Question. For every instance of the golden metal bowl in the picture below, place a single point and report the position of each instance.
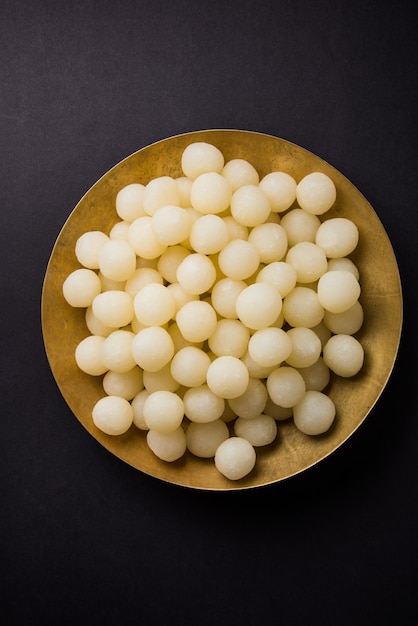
(293, 452)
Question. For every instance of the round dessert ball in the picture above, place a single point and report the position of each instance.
(152, 348)
(142, 276)
(301, 307)
(123, 384)
(309, 261)
(200, 157)
(202, 405)
(250, 206)
(300, 226)
(184, 185)
(258, 305)
(346, 323)
(137, 405)
(88, 246)
(203, 439)
(316, 193)
(154, 305)
(95, 326)
(196, 321)
(279, 413)
(169, 262)
(209, 234)
(120, 230)
(255, 370)
(159, 192)
(240, 172)
(259, 431)
(143, 239)
(252, 402)
(189, 366)
(181, 296)
(171, 224)
(112, 415)
(161, 380)
(129, 202)
(338, 237)
(114, 308)
(314, 413)
(280, 275)
(196, 273)
(239, 259)
(280, 188)
(163, 411)
(117, 259)
(285, 386)
(306, 347)
(88, 355)
(111, 285)
(117, 351)
(338, 290)
(316, 376)
(235, 458)
(167, 446)
(230, 337)
(235, 230)
(227, 377)
(210, 193)
(344, 264)
(344, 355)
(81, 287)
(270, 241)
(269, 346)
(224, 296)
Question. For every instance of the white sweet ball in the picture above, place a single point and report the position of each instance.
(181, 296)
(152, 348)
(300, 226)
(196, 320)
(227, 377)
(196, 273)
(346, 323)
(189, 366)
(235, 458)
(258, 305)
(120, 230)
(277, 412)
(259, 431)
(200, 157)
(270, 241)
(344, 355)
(184, 186)
(81, 287)
(201, 404)
(229, 337)
(167, 446)
(210, 193)
(154, 305)
(137, 405)
(203, 439)
(111, 285)
(309, 261)
(142, 276)
(88, 246)
(95, 326)
(269, 346)
(224, 296)
(209, 234)
(316, 376)
(250, 206)
(159, 192)
(114, 308)
(129, 202)
(338, 237)
(285, 386)
(123, 384)
(314, 413)
(235, 230)
(169, 261)
(255, 370)
(161, 380)
(117, 259)
(163, 411)
(280, 275)
(252, 402)
(306, 347)
(88, 355)
(143, 239)
(178, 339)
(112, 415)
(171, 224)
(239, 259)
(316, 193)
(280, 187)
(301, 307)
(343, 264)
(338, 290)
(240, 172)
(117, 351)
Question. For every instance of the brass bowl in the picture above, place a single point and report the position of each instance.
(293, 452)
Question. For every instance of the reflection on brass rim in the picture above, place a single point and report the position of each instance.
(293, 452)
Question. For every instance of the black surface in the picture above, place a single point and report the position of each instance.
(84, 538)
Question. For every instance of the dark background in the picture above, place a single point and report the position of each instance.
(84, 538)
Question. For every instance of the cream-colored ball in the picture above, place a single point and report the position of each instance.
(112, 415)
(314, 414)
(235, 458)
(316, 193)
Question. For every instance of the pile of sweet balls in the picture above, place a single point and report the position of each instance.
(218, 305)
